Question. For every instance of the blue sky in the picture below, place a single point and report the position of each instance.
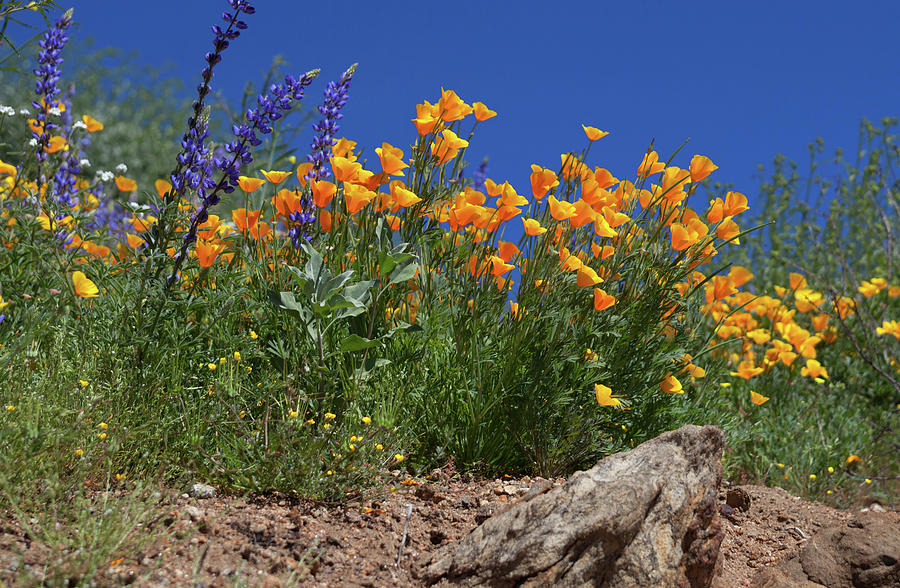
(743, 81)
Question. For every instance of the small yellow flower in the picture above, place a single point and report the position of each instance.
(326, 425)
(398, 457)
(311, 422)
(211, 366)
(781, 465)
(352, 447)
(79, 452)
(222, 360)
(366, 420)
(329, 416)
(830, 470)
(10, 407)
(293, 414)
(812, 476)
(852, 459)
(828, 492)
(725, 384)
(248, 368)
(868, 481)
(379, 446)
(253, 334)
(243, 412)
(104, 426)
(121, 477)
(102, 436)
(330, 472)
(84, 383)
(237, 356)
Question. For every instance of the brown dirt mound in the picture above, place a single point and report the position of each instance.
(278, 541)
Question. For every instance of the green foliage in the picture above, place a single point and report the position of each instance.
(141, 109)
(12, 13)
(836, 227)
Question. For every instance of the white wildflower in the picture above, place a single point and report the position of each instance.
(106, 176)
(7, 110)
(54, 111)
(79, 125)
(84, 163)
(32, 142)
(122, 168)
(24, 111)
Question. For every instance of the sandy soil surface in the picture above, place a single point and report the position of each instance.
(280, 541)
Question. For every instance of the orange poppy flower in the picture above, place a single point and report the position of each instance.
(587, 277)
(482, 112)
(604, 396)
(426, 117)
(391, 159)
(302, 170)
(671, 385)
(701, 167)
(276, 177)
(125, 184)
(735, 203)
(533, 227)
(649, 165)
(447, 146)
(344, 148)
(593, 133)
(602, 300)
(93, 125)
(323, 192)
(325, 220)
(560, 210)
(403, 197)
(84, 288)
(499, 266)
(451, 107)
(356, 197)
(758, 399)
(542, 180)
(134, 241)
(163, 187)
(207, 252)
(246, 221)
(507, 250)
(250, 185)
(746, 370)
(344, 169)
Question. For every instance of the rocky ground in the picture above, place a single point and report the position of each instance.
(279, 541)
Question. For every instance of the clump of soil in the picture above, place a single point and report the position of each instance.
(277, 540)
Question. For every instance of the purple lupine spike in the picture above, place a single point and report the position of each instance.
(189, 171)
(237, 153)
(47, 73)
(480, 175)
(336, 96)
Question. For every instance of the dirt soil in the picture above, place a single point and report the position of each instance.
(280, 541)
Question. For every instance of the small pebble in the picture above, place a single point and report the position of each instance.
(202, 491)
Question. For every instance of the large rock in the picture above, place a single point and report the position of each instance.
(646, 517)
(864, 552)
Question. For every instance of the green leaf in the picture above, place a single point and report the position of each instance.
(359, 292)
(404, 272)
(356, 343)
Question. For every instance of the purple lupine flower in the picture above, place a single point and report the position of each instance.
(193, 164)
(480, 175)
(47, 73)
(336, 95)
(270, 108)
